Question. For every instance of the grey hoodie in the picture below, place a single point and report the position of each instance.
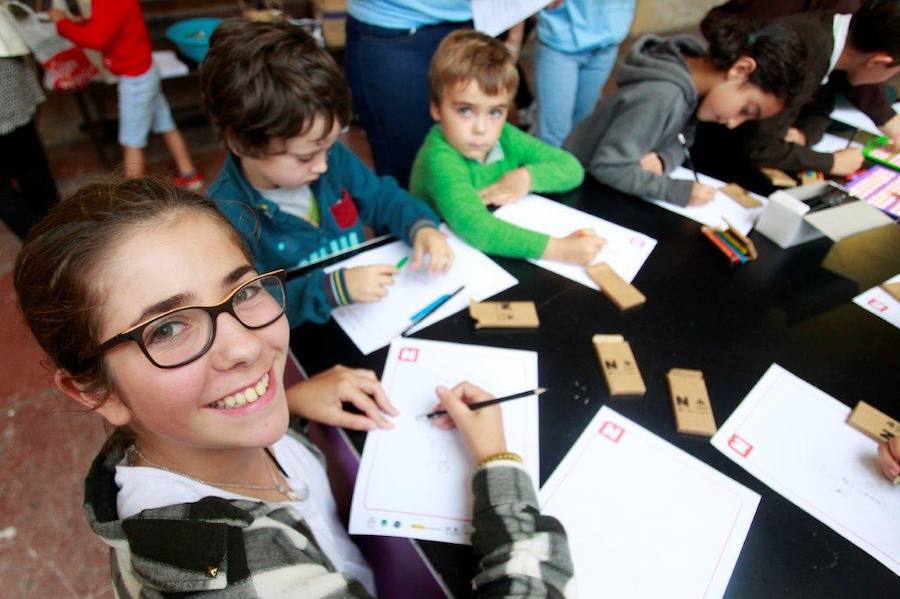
(656, 99)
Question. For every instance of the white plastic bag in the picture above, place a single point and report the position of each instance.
(66, 67)
(11, 43)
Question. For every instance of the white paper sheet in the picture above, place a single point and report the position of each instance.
(712, 214)
(794, 438)
(832, 143)
(169, 65)
(372, 326)
(847, 114)
(493, 17)
(415, 480)
(644, 518)
(880, 303)
(625, 250)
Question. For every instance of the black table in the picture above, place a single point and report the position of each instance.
(731, 323)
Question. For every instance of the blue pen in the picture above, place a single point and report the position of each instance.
(430, 308)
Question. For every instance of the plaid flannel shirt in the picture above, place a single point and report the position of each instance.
(247, 549)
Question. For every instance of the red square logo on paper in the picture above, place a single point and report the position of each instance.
(876, 305)
(612, 431)
(638, 241)
(741, 447)
(408, 354)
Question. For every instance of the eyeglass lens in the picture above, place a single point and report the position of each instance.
(183, 335)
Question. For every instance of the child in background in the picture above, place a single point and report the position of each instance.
(147, 303)
(295, 195)
(473, 158)
(579, 41)
(847, 54)
(665, 86)
(116, 28)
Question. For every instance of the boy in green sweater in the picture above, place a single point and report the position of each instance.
(472, 158)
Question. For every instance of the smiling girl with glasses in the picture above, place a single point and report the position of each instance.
(150, 309)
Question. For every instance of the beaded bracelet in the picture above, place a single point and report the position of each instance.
(506, 455)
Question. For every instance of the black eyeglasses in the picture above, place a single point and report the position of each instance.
(182, 335)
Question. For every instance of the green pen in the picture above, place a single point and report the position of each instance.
(401, 263)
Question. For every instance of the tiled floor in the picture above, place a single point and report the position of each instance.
(46, 546)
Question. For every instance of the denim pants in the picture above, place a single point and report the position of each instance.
(388, 74)
(568, 87)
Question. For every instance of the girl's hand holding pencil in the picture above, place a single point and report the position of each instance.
(482, 429)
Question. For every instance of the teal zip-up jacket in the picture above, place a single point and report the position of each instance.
(349, 195)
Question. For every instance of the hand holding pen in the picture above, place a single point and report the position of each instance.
(366, 284)
(482, 430)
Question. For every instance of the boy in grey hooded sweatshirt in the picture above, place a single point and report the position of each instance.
(665, 86)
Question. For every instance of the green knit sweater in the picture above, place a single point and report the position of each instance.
(451, 183)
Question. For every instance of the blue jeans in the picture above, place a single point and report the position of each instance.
(568, 87)
(388, 74)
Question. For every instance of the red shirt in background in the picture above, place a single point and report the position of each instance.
(117, 29)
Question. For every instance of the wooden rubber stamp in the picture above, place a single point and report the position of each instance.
(690, 401)
(623, 377)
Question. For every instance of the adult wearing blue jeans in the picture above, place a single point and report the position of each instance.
(579, 41)
(389, 48)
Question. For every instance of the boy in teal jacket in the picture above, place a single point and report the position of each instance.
(473, 158)
(293, 194)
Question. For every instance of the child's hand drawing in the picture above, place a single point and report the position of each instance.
(892, 130)
(579, 247)
(701, 195)
(482, 430)
(511, 187)
(321, 398)
(429, 241)
(652, 163)
(847, 161)
(367, 284)
(889, 457)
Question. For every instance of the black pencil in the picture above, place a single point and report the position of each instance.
(422, 316)
(371, 244)
(852, 138)
(489, 402)
(687, 156)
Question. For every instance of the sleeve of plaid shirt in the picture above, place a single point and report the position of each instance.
(521, 553)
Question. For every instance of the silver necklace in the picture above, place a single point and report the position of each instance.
(135, 451)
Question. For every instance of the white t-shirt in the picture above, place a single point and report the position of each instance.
(142, 488)
(840, 26)
(297, 201)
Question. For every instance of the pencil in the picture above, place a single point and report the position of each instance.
(734, 241)
(732, 257)
(400, 263)
(740, 256)
(687, 156)
(430, 309)
(489, 402)
(852, 138)
(298, 271)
